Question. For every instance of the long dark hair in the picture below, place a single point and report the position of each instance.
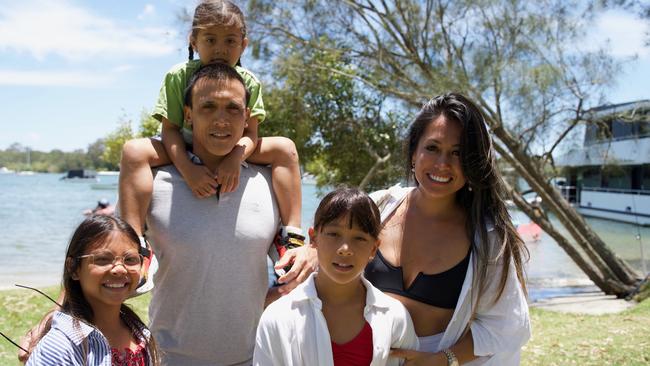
(483, 196)
(216, 12)
(94, 231)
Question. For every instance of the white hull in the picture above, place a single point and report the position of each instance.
(631, 207)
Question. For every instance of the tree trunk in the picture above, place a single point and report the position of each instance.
(594, 274)
(614, 268)
(371, 173)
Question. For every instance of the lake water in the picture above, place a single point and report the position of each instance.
(39, 212)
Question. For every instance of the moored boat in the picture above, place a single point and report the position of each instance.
(80, 175)
(609, 175)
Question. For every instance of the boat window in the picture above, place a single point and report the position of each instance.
(643, 128)
(622, 129)
(618, 177)
(591, 177)
(645, 183)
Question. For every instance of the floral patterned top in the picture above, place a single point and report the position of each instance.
(128, 357)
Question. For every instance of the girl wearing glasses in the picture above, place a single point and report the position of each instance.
(93, 325)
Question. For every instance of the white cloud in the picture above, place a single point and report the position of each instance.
(41, 28)
(53, 78)
(123, 68)
(624, 32)
(148, 10)
(34, 137)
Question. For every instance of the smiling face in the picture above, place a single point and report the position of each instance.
(437, 161)
(343, 251)
(108, 286)
(218, 43)
(217, 116)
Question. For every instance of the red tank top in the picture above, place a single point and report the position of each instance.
(357, 352)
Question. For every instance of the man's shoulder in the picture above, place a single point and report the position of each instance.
(256, 169)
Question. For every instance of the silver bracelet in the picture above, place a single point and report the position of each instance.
(451, 357)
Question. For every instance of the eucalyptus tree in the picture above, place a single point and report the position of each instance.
(522, 62)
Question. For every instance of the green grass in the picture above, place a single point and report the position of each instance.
(558, 339)
(568, 339)
(21, 309)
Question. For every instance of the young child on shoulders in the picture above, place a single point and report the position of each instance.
(336, 317)
(93, 326)
(218, 35)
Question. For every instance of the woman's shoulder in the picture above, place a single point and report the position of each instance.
(384, 196)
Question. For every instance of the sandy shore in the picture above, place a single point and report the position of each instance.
(594, 303)
(8, 281)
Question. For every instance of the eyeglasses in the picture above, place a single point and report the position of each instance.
(131, 261)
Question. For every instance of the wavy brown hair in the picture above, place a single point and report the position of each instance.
(483, 196)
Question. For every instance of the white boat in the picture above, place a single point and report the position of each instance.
(609, 175)
(104, 186)
(5, 170)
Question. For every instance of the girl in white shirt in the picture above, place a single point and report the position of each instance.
(336, 317)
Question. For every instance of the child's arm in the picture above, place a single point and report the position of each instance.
(228, 170)
(199, 178)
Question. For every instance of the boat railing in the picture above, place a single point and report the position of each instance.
(568, 192)
(608, 140)
(643, 192)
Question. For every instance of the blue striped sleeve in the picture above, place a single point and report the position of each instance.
(55, 349)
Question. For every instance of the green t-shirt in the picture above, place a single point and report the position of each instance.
(170, 99)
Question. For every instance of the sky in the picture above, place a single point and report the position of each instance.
(70, 70)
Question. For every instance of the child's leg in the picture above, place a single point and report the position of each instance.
(136, 179)
(281, 154)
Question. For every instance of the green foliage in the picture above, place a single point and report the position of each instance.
(114, 142)
(20, 158)
(516, 59)
(149, 126)
(339, 127)
(103, 154)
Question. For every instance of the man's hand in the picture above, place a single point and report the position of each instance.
(201, 181)
(305, 261)
(416, 358)
(228, 172)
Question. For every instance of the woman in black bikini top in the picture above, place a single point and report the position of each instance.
(449, 251)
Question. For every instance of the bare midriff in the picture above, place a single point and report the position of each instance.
(427, 320)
